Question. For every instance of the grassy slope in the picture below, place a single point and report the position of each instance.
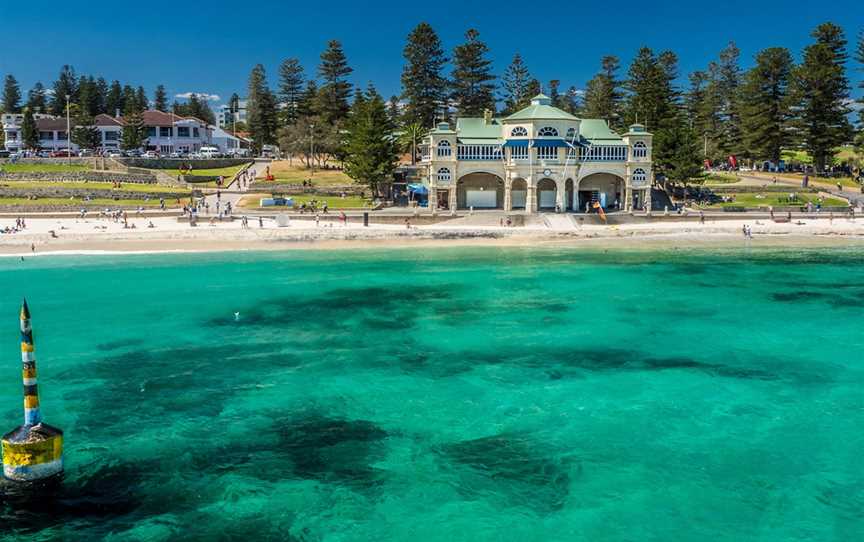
(126, 187)
(294, 174)
(778, 200)
(43, 168)
(334, 203)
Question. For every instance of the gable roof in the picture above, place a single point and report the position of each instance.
(106, 120)
(476, 128)
(597, 130)
(540, 109)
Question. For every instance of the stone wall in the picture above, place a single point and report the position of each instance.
(83, 191)
(81, 176)
(175, 163)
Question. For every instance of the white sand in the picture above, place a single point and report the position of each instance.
(94, 235)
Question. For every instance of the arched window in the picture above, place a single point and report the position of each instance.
(547, 131)
(640, 150)
(571, 134)
(639, 176)
(444, 149)
(443, 175)
(519, 131)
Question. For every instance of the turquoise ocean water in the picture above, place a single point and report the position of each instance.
(444, 395)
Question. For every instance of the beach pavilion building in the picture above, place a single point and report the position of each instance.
(539, 159)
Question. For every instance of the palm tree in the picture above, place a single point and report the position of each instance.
(412, 133)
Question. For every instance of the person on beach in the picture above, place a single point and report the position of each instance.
(260, 221)
(317, 219)
(343, 218)
(701, 216)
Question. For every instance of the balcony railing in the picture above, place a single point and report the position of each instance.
(478, 152)
(604, 153)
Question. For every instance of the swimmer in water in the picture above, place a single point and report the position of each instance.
(236, 316)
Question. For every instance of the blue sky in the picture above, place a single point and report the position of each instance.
(209, 47)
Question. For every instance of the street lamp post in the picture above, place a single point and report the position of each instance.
(68, 134)
(312, 150)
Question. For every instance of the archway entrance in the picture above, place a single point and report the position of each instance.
(605, 188)
(547, 193)
(568, 194)
(519, 194)
(480, 191)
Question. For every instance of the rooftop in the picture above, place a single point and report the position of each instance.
(540, 109)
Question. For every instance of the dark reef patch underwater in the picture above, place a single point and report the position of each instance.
(444, 395)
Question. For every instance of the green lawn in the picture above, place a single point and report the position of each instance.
(778, 200)
(98, 203)
(295, 174)
(126, 187)
(798, 177)
(43, 168)
(334, 203)
(227, 172)
(721, 178)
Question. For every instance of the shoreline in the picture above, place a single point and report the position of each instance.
(101, 237)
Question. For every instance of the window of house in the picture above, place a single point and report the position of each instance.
(547, 153)
(639, 175)
(164, 131)
(519, 131)
(196, 132)
(46, 135)
(547, 131)
(151, 131)
(112, 135)
(443, 175)
(182, 131)
(571, 134)
(640, 150)
(12, 136)
(444, 149)
(519, 153)
(61, 136)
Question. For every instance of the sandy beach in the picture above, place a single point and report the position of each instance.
(94, 235)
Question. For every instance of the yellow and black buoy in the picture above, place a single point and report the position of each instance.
(33, 451)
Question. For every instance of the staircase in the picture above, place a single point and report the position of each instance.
(660, 200)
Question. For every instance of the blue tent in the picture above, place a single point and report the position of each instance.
(418, 189)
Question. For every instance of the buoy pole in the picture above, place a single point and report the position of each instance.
(33, 451)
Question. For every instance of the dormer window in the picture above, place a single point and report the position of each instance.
(444, 149)
(640, 150)
(519, 131)
(547, 131)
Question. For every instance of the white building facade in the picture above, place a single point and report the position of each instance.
(227, 118)
(166, 132)
(540, 159)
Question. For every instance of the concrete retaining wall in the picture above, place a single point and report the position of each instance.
(81, 176)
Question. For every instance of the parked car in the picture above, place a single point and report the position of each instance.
(114, 154)
(44, 154)
(85, 152)
(150, 154)
(62, 153)
(209, 152)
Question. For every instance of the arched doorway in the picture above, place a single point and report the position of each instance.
(480, 191)
(519, 194)
(568, 194)
(605, 188)
(547, 194)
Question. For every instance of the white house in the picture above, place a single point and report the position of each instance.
(538, 159)
(229, 143)
(166, 132)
